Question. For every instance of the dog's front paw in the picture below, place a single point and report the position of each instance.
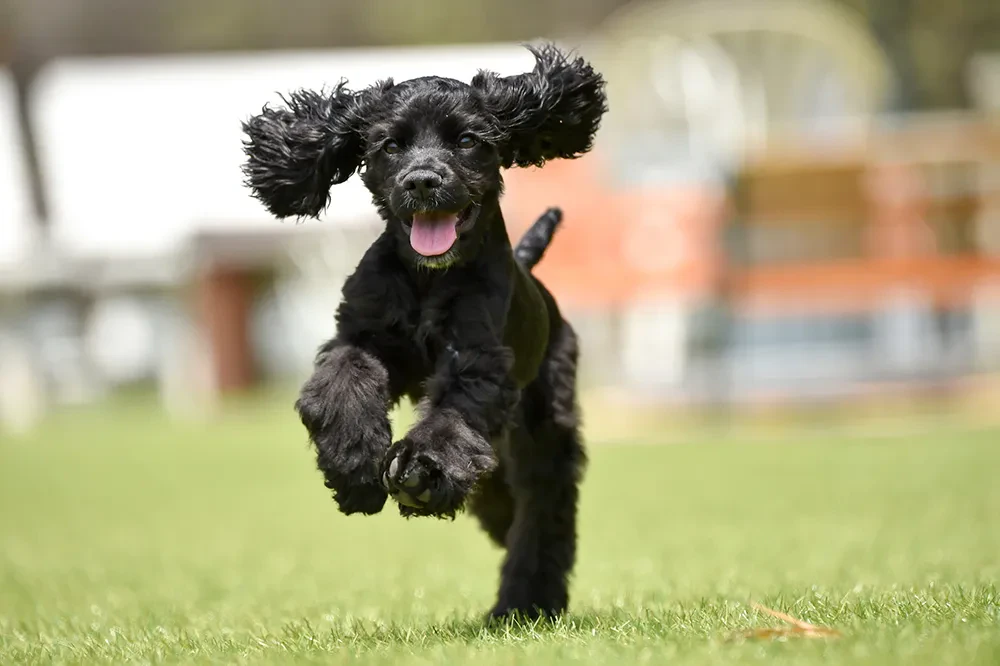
(353, 497)
(434, 468)
(351, 464)
(343, 407)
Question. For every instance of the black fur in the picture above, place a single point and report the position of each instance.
(552, 112)
(295, 154)
(536, 239)
(467, 333)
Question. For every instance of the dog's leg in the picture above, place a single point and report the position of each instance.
(356, 379)
(469, 401)
(493, 505)
(432, 470)
(344, 407)
(546, 460)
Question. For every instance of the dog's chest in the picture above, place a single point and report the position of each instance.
(419, 345)
(429, 334)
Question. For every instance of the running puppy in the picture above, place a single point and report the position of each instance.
(442, 309)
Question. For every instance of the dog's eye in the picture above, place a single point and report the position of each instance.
(467, 141)
(390, 147)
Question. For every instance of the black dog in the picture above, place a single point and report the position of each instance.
(441, 308)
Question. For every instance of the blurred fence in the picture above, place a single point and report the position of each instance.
(752, 224)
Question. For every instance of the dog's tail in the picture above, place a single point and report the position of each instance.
(536, 239)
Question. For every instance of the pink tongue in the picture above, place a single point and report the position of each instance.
(433, 233)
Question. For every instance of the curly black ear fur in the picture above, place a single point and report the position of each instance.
(551, 112)
(295, 154)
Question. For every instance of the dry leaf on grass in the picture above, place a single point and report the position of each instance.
(797, 629)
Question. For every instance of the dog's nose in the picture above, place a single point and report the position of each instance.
(420, 184)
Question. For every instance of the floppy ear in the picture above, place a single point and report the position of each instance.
(552, 111)
(296, 153)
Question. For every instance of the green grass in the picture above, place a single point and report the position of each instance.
(125, 538)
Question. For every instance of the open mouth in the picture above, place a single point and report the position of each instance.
(434, 232)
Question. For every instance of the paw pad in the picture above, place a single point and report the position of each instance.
(411, 489)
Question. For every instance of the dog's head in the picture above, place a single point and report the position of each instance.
(430, 150)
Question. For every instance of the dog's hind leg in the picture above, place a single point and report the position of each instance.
(493, 505)
(545, 461)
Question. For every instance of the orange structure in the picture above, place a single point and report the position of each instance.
(618, 245)
(892, 225)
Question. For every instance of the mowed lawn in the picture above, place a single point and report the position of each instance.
(126, 538)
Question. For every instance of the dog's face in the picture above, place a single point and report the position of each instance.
(430, 150)
(431, 161)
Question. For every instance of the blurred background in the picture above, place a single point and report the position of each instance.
(791, 202)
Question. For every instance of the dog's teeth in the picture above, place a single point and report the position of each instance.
(412, 481)
(385, 480)
(393, 468)
(425, 496)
